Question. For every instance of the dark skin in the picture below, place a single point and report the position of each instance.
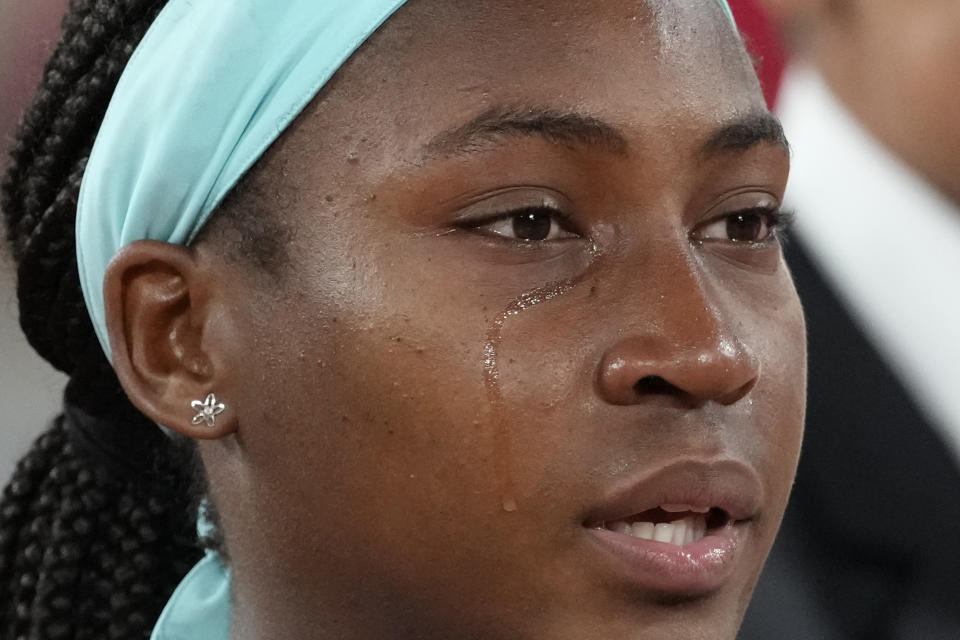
(403, 457)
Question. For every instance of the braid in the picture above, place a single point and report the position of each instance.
(89, 547)
(54, 141)
(83, 553)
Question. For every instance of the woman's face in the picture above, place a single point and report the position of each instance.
(531, 301)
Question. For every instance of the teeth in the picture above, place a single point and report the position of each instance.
(680, 532)
(643, 530)
(682, 508)
(664, 532)
(621, 527)
(699, 528)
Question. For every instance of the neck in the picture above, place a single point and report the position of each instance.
(281, 611)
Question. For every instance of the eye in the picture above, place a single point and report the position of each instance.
(530, 225)
(749, 226)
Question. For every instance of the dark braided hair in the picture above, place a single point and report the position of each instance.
(97, 525)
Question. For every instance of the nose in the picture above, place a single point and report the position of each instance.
(640, 369)
(679, 343)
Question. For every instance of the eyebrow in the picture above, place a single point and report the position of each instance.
(745, 132)
(557, 127)
(575, 129)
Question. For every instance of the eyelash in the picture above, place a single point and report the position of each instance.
(777, 222)
(559, 221)
(782, 223)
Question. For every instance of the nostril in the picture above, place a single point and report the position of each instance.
(656, 386)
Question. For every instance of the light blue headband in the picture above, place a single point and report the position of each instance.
(210, 87)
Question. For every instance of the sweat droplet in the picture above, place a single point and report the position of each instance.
(509, 505)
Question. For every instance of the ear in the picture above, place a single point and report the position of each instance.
(158, 305)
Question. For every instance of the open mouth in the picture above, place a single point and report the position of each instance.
(682, 529)
(671, 524)
(673, 548)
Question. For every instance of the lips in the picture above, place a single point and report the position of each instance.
(680, 530)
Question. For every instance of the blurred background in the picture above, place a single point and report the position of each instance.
(868, 99)
(29, 388)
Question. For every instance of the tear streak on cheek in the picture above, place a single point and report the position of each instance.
(502, 446)
(500, 417)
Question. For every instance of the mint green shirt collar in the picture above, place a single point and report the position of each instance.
(199, 608)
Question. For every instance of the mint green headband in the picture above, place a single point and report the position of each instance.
(210, 87)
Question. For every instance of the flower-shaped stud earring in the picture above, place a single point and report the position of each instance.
(208, 410)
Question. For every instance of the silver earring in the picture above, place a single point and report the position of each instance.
(208, 410)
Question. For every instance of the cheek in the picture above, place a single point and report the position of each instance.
(778, 329)
(380, 417)
(385, 395)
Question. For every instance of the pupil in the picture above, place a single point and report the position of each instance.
(745, 228)
(532, 225)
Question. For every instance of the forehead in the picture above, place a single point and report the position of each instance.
(638, 64)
